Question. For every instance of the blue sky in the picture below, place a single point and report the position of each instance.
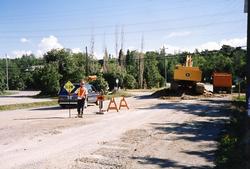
(37, 26)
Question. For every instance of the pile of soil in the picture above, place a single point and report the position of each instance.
(166, 92)
(181, 94)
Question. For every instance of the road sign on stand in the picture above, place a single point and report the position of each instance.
(69, 87)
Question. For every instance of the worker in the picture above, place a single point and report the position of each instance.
(81, 96)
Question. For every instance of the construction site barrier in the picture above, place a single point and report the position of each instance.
(123, 103)
(100, 99)
(112, 105)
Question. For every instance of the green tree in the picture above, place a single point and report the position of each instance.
(239, 62)
(132, 58)
(151, 71)
(16, 81)
(49, 79)
(68, 66)
(114, 72)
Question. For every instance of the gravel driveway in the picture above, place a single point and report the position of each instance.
(153, 134)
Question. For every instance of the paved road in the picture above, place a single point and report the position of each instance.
(152, 134)
(21, 97)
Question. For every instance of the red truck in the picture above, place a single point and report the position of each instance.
(222, 82)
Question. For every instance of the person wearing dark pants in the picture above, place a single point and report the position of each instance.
(80, 106)
(81, 96)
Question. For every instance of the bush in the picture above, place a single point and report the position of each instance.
(231, 149)
(100, 84)
(111, 79)
(129, 81)
(2, 84)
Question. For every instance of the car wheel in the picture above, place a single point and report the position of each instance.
(62, 106)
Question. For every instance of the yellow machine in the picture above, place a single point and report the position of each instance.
(187, 77)
(91, 78)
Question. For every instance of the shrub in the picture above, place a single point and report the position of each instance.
(100, 84)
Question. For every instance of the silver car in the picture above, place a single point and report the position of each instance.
(65, 100)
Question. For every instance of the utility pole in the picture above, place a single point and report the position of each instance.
(122, 38)
(92, 43)
(7, 73)
(247, 6)
(122, 59)
(105, 57)
(92, 51)
(116, 41)
(87, 62)
(141, 63)
(165, 66)
(248, 58)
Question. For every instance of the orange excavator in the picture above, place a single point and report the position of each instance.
(187, 77)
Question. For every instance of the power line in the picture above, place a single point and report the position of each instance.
(128, 24)
(134, 32)
(64, 14)
(72, 11)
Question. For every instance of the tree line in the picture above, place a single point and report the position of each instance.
(133, 69)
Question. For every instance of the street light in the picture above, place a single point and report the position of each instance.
(117, 81)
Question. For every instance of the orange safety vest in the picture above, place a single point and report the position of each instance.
(82, 92)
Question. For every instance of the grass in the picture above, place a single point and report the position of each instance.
(119, 93)
(242, 98)
(42, 96)
(5, 93)
(233, 151)
(144, 90)
(27, 105)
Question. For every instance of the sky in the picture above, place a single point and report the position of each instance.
(28, 26)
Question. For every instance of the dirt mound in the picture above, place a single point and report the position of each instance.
(166, 92)
(170, 94)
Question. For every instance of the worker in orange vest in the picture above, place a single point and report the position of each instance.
(82, 93)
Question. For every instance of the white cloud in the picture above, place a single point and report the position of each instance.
(24, 40)
(98, 55)
(76, 50)
(39, 53)
(217, 45)
(20, 53)
(172, 49)
(207, 46)
(48, 43)
(178, 34)
(235, 42)
(132, 48)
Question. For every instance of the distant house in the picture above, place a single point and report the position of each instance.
(32, 68)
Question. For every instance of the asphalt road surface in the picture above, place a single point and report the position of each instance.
(153, 133)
